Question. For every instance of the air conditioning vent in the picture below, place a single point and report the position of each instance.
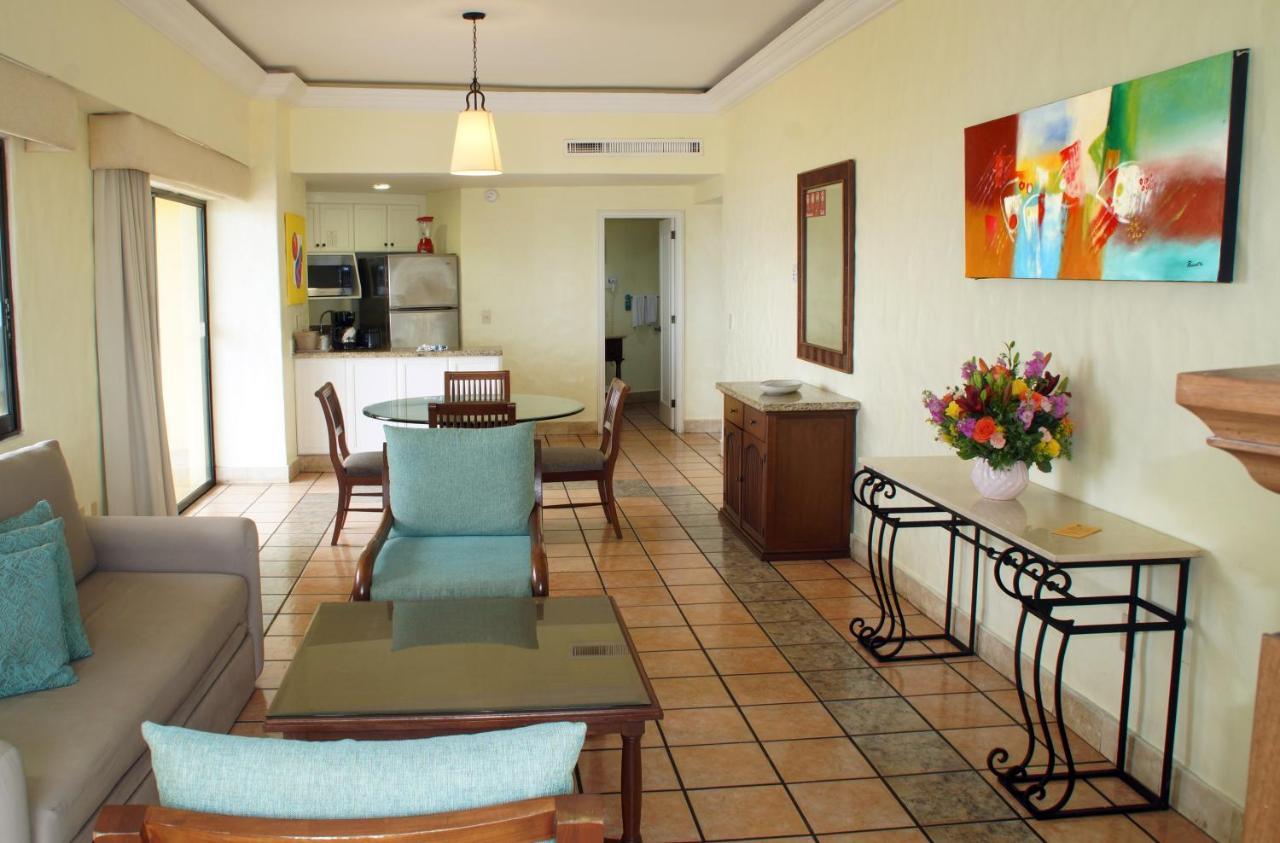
(633, 146)
(596, 650)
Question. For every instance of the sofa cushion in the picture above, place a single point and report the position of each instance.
(33, 650)
(261, 777)
(155, 637)
(560, 459)
(461, 482)
(50, 532)
(410, 568)
(38, 472)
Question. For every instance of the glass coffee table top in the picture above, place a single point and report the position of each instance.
(444, 657)
(529, 407)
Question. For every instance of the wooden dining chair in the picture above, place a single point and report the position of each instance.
(362, 469)
(477, 386)
(565, 819)
(471, 414)
(566, 464)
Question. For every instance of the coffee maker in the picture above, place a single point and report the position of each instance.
(344, 330)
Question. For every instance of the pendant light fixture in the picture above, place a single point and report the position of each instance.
(475, 145)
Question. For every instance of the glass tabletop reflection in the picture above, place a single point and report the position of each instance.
(529, 407)
(443, 657)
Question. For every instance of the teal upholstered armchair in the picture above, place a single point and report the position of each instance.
(463, 517)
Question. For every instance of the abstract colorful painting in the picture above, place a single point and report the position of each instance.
(295, 259)
(1135, 182)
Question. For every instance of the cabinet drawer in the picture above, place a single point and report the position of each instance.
(733, 410)
(755, 422)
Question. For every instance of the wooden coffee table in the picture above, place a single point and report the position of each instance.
(382, 671)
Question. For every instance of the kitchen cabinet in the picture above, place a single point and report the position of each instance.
(361, 380)
(386, 228)
(788, 470)
(329, 227)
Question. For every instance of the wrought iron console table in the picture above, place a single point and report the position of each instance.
(1045, 574)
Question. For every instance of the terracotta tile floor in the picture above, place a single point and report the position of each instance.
(775, 727)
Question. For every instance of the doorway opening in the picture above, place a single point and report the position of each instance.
(183, 305)
(641, 292)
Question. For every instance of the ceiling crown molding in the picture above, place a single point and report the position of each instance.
(180, 22)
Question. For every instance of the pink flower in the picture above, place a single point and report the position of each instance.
(997, 440)
(1045, 435)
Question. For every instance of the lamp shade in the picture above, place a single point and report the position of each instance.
(475, 146)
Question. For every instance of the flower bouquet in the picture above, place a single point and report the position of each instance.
(1007, 416)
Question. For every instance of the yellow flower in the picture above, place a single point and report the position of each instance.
(1019, 388)
(945, 437)
(953, 410)
(1053, 448)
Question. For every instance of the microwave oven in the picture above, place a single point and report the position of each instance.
(333, 276)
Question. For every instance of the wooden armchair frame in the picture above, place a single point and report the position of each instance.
(566, 819)
(471, 414)
(362, 588)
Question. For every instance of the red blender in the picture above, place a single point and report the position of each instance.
(425, 246)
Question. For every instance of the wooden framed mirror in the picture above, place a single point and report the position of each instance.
(824, 266)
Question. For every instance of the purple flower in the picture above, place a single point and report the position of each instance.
(1035, 366)
(1058, 405)
(935, 407)
(1026, 413)
(966, 425)
(966, 370)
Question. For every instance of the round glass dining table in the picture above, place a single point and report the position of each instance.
(529, 407)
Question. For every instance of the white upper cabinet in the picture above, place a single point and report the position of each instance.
(334, 228)
(371, 228)
(402, 227)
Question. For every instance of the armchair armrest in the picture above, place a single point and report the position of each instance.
(537, 554)
(15, 823)
(184, 546)
(363, 585)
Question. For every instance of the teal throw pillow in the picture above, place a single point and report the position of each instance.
(37, 514)
(461, 482)
(264, 777)
(33, 650)
(52, 533)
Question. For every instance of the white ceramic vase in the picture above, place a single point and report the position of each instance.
(999, 484)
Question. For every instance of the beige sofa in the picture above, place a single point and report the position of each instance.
(174, 616)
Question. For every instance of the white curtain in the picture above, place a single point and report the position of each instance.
(135, 447)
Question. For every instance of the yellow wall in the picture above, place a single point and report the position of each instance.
(334, 140)
(51, 239)
(101, 48)
(895, 95)
(532, 260)
(631, 256)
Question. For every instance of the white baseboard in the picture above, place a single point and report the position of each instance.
(1209, 808)
(255, 474)
(702, 425)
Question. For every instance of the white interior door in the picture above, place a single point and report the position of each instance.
(666, 323)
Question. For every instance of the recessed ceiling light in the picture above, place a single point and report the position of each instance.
(382, 186)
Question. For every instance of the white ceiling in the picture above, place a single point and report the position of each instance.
(541, 44)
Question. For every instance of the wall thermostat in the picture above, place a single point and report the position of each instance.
(491, 195)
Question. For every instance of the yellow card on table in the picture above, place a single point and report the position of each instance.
(1077, 531)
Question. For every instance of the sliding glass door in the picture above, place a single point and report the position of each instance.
(184, 342)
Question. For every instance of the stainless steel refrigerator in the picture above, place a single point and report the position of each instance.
(422, 292)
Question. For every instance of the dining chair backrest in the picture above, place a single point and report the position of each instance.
(477, 386)
(611, 426)
(338, 450)
(471, 414)
(567, 819)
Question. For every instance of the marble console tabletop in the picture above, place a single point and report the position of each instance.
(806, 399)
(1031, 519)
(402, 352)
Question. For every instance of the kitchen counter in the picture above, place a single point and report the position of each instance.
(806, 399)
(399, 352)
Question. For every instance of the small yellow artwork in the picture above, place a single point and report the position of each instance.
(1077, 531)
(295, 259)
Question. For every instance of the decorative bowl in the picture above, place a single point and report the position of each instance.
(784, 386)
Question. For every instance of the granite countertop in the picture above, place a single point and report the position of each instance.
(401, 352)
(806, 399)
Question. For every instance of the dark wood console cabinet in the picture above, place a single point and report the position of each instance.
(788, 470)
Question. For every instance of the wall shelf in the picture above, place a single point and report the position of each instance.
(1242, 408)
